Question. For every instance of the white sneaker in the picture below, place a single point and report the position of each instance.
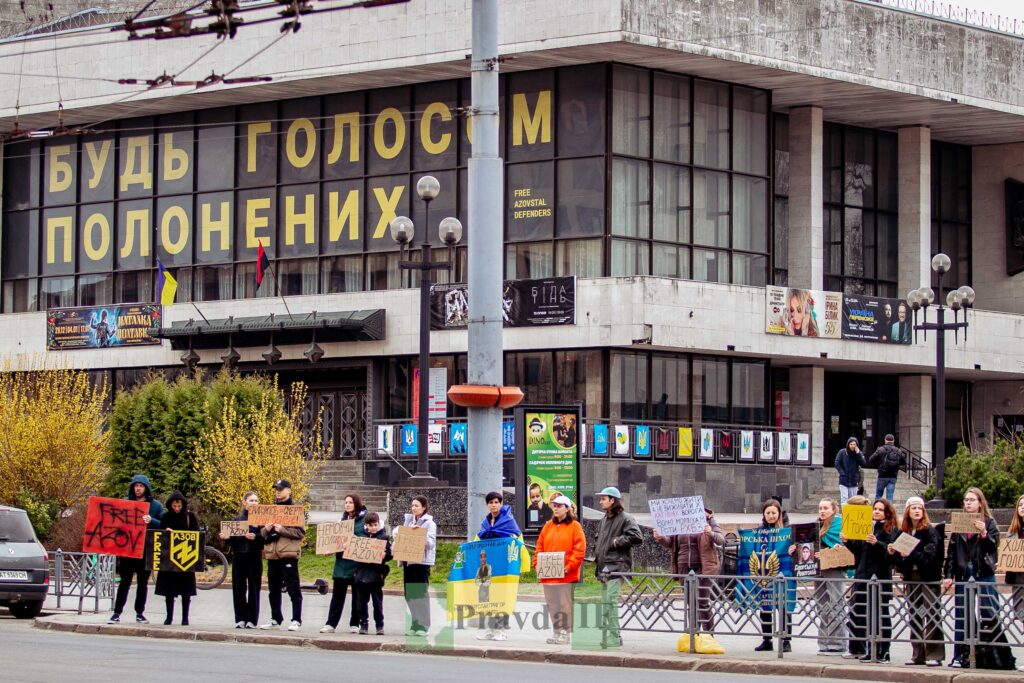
(326, 629)
(500, 635)
(239, 624)
(269, 625)
(294, 626)
(249, 624)
(486, 635)
(353, 629)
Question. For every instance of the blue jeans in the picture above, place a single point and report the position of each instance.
(988, 605)
(845, 493)
(886, 485)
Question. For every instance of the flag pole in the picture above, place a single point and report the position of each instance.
(277, 286)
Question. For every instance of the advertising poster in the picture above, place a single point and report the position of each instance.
(805, 538)
(621, 440)
(484, 578)
(803, 312)
(102, 327)
(525, 303)
(877, 319)
(600, 440)
(643, 441)
(549, 455)
(684, 444)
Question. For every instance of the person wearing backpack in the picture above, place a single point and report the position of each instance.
(888, 460)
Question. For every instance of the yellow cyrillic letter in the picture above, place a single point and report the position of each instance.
(537, 123)
(307, 218)
(66, 224)
(426, 139)
(97, 160)
(351, 122)
(387, 207)
(92, 251)
(349, 214)
(252, 131)
(175, 160)
(294, 158)
(140, 218)
(221, 226)
(174, 213)
(254, 221)
(61, 173)
(395, 116)
(138, 152)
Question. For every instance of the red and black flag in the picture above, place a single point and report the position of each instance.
(262, 263)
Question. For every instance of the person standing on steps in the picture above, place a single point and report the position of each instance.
(888, 460)
(617, 533)
(127, 567)
(282, 548)
(171, 584)
(344, 571)
(246, 567)
(849, 462)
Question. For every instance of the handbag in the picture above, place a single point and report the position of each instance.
(283, 549)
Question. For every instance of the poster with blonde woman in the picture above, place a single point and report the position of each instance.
(803, 312)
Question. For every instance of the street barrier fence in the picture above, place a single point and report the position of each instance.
(86, 576)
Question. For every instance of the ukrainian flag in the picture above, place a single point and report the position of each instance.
(166, 286)
(484, 578)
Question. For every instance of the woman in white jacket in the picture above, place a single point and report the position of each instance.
(416, 577)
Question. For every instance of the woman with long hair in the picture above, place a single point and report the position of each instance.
(973, 556)
(1017, 578)
(416, 575)
(873, 561)
(828, 595)
(799, 313)
(771, 518)
(246, 567)
(562, 534)
(345, 571)
(922, 569)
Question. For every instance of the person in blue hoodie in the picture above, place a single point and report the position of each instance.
(128, 567)
(498, 523)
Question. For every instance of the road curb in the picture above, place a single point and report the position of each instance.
(683, 662)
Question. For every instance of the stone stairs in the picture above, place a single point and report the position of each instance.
(339, 478)
(906, 486)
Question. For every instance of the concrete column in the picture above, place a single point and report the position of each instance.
(915, 204)
(915, 415)
(806, 213)
(807, 407)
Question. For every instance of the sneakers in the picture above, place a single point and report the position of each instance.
(560, 638)
(270, 624)
(239, 624)
(500, 635)
(852, 655)
(114, 619)
(363, 632)
(787, 646)
(326, 628)
(935, 662)
(611, 643)
(420, 633)
(294, 626)
(353, 629)
(249, 624)
(139, 619)
(380, 632)
(486, 635)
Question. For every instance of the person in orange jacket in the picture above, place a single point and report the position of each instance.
(561, 534)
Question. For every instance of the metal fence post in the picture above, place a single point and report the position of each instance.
(58, 574)
(778, 611)
(692, 607)
(970, 622)
(873, 606)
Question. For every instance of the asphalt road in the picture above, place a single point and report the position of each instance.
(28, 655)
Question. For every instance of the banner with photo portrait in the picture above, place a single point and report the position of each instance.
(524, 303)
(803, 312)
(877, 319)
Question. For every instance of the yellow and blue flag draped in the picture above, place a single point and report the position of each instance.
(484, 578)
(763, 555)
(166, 286)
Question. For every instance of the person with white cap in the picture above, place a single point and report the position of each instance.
(561, 534)
(922, 569)
(617, 533)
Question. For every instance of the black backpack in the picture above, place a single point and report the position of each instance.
(994, 653)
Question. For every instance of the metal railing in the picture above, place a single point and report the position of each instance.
(953, 12)
(918, 467)
(83, 576)
(859, 616)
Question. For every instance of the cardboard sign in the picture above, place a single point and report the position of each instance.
(170, 550)
(285, 515)
(678, 516)
(905, 543)
(1011, 555)
(115, 527)
(835, 558)
(857, 522)
(333, 537)
(963, 522)
(234, 528)
(410, 544)
(366, 549)
(551, 565)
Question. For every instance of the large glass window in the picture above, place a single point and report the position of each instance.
(951, 210)
(627, 386)
(780, 250)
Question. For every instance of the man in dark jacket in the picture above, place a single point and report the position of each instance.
(616, 536)
(888, 460)
(128, 567)
(282, 571)
(848, 463)
(369, 579)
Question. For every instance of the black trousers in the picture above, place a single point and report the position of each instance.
(246, 577)
(363, 594)
(337, 606)
(284, 574)
(128, 568)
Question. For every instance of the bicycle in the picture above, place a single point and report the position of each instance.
(216, 569)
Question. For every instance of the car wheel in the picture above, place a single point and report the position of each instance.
(26, 610)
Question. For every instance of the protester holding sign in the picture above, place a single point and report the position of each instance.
(369, 579)
(345, 570)
(128, 567)
(973, 556)
(771, 518)
(873, 561)
(561, 534)
(172, 584)
(283, 546)
(698, 553)
(617, 533)
(416, 576)
(499, 523)
(922, 569)
(828, 595)
(246, 567)
(1017, 578)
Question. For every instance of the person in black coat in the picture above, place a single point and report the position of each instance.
(849, 462)
(922, 569)
(973, 556)
(171, 584)
(873, 560)
(246, 567)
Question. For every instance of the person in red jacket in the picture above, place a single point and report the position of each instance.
(561, 534)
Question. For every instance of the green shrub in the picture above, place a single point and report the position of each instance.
(999, 473)
(41, 513)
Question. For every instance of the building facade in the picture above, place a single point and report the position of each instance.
(678, 162)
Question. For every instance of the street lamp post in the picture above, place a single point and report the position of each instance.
(402, 232)
(956, 299)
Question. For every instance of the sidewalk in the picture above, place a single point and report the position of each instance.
(212, 620)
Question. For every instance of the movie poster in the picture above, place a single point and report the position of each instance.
(525, 303)
(102, 327)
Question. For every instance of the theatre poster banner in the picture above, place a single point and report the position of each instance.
(832, 315)
(525, 303)
(101, 327)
